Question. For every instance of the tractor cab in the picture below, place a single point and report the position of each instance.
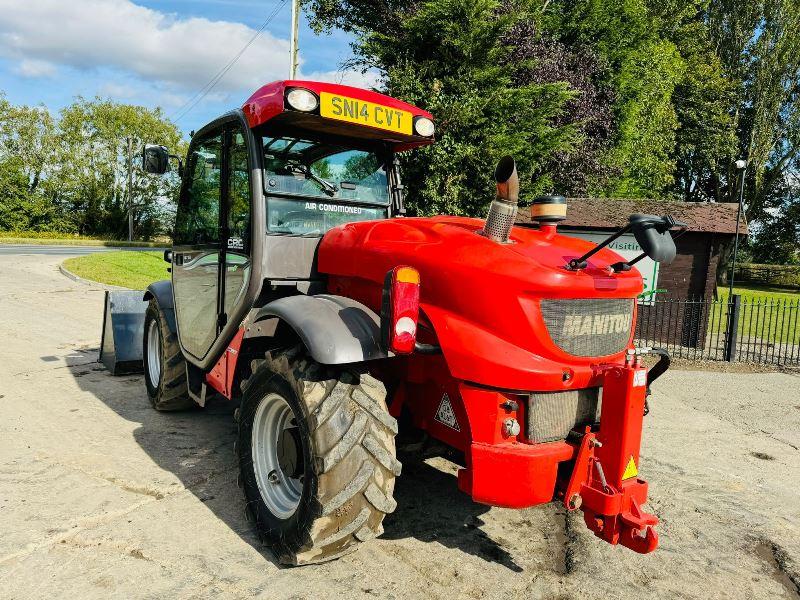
(262, 184)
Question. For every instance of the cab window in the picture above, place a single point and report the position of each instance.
(319, 170)
(197, 220)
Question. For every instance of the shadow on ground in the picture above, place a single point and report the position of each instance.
(197, 447)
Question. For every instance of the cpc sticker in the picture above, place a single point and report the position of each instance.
(640, 378)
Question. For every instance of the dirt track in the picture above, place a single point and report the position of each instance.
(100, 496)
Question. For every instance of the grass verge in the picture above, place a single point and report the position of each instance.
(134, 270)
(28, 238)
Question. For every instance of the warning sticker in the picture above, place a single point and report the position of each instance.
(445, 414)
(639, 378)
(630, 470)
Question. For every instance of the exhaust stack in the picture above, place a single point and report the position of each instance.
(503, 210)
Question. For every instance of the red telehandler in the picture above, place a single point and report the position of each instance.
(347, 331)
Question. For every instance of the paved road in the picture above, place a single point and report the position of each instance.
(102, 497)
(65, 251)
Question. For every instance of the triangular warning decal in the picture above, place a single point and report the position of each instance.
(630, 470)
(445, 414)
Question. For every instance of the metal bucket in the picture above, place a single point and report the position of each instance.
(123, 332)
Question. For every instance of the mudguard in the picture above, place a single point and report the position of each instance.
(335, 330)
(162, 292)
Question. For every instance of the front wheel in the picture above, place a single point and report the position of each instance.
(164, 365)
(317, 456)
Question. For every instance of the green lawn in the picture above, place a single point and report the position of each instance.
(135, 270)
(760, 292)
(768, 313)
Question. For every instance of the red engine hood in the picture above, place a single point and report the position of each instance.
(470, 282)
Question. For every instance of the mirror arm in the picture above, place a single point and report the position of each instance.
(626, 266)
(577, 264)
(180, 163)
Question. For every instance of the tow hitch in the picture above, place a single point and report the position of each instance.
(604, 483)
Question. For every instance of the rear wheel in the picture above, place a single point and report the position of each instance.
(164, 365)
(317, 456)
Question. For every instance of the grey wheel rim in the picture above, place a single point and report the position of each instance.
(154, 353)
(277, 456)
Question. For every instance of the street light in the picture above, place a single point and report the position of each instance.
(741, 166)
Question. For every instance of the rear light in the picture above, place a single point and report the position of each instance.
(301, 99)
(400, 310)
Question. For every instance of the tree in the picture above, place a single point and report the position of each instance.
(453, 58)
(70, 174)
(92, 167)
(581, 169)
(759, 48)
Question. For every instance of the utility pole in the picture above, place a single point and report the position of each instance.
(130, 189)
(293, 40)
(741, 166)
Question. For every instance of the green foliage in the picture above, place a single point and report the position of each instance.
(448, 57)
(647, 121)
(70, 174)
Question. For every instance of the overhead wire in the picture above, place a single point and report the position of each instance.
(193, 101)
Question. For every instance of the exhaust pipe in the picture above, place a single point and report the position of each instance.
(503, 210)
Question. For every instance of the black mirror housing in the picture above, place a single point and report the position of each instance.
(652, 234)
(168, 256)
(155, 159)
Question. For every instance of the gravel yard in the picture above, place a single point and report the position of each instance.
(102, 497)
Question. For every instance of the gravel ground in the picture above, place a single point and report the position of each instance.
(100, 496)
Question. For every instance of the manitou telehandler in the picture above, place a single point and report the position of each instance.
(300, 290)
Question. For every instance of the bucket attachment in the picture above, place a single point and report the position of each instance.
(123, 332)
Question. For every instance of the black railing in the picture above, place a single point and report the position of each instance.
(740, 329)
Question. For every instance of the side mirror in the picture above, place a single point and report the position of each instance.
(168, 256)
(155, 159)
(653, 235)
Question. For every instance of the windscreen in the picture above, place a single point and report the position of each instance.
(316, 169)
(313, 186)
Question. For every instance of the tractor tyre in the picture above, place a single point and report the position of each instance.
(164, 365)
(317, 456)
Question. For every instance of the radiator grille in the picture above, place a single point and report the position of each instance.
(551, 415)
(589, 327)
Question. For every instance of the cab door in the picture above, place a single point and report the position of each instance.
(236, 232)
(196, 250)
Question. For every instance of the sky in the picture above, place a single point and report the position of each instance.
(157, 53)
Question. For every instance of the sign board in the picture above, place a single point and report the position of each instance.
(628, 248)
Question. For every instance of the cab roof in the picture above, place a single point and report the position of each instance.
(267, 107)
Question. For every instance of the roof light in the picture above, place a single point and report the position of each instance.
(301, 99)
(424, 126)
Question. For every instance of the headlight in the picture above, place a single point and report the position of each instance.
(300, 99)
(423, 126)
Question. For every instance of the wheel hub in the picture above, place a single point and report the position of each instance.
(277, 454)
(154, 353)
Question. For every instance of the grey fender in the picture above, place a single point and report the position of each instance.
(335, 330)
(162, 292)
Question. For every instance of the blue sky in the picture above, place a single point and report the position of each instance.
(155, 53)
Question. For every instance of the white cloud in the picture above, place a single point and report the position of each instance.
(182, 53)
(35, 68)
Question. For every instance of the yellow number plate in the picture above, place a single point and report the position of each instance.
(342, 108)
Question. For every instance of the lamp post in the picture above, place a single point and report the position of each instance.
(741, 166)
(130, 189)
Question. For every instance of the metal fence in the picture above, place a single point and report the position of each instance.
(753, 330)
